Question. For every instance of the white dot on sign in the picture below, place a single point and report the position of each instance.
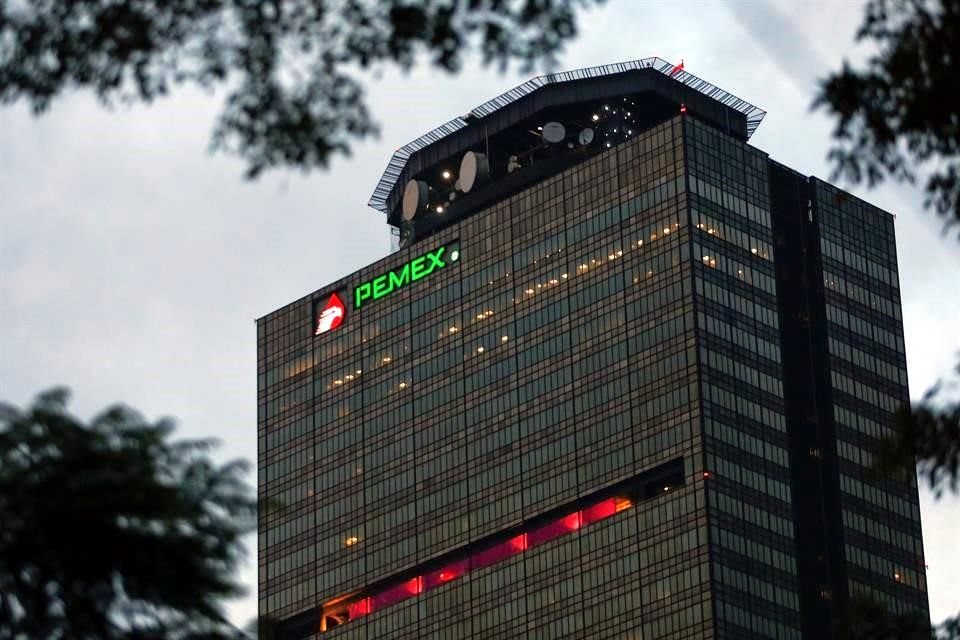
(454, 255)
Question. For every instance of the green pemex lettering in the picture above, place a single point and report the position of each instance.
(400, 277)
(412, 271)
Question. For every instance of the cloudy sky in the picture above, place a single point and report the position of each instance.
(133, 264)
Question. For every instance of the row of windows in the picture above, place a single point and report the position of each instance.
(882, 532)
(868, 362)
(755, 623)
(746, 442)
(744, 512)
(883, 567)
(758, 588)
(749, 274)
(853, 260)
(541, 562)
(853, 453)
(863, 327)
(861, 423)
(866, 393)
(748, 477)
(898, 604)
(732, 203)
(729, 299)
(868, 299)
(882, 499)
(740, 372)
(723, 231)
(749, 341)
(747, 408)
(755, 550)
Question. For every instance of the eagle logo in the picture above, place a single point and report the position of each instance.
(332, 315)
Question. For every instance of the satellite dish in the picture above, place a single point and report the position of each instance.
(554, 132)
(474, 170)
(586, 136)
(416, 195)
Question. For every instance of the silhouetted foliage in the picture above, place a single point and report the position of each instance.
(928, 436)
(868, 619)
(290, 67)
(896, 117)
(900, 111)
(112, 530)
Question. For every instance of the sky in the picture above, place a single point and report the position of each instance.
(133, 263)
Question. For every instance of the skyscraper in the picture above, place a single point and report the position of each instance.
(623, 379)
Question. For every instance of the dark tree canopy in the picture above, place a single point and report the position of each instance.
(899, 114)
(868, 619)
(290, 68)
(928, 436)
(895, 118)
(112, 530)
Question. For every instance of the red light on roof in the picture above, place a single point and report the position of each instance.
(683, 108)
(677, 68)
(706, 474)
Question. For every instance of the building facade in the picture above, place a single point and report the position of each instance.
(627, 388)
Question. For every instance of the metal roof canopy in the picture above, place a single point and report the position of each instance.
(398, 165)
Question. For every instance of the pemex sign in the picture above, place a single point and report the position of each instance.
(330, 314)
(418, 268)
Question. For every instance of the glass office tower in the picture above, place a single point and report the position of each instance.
(621, 380)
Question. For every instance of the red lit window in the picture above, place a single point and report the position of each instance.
(398, 593)
(572, 522)
(493, 555)
(555, 529)
(337, 614)
(599, 511)
(445, 574)
(520, 542)
(360, 608)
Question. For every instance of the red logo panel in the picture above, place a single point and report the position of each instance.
(331, 316)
